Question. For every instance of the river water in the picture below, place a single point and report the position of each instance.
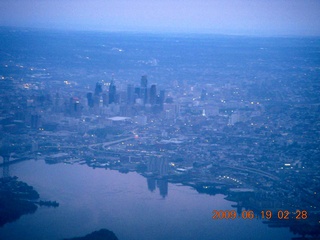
(91, 199)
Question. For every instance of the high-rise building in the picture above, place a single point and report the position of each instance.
(112, 92)
(137, 92)
(105, 99)
(163, 167)
(98, 89)
(130, 94)
(161, 98)
(74, 105)
(153, 94)
(90, 100)
(144, 81)
(144, 89)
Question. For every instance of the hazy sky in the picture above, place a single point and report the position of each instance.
(271, 17)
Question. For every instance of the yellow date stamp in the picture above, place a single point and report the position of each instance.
(264, 214)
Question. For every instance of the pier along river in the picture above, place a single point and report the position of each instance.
(91, 199)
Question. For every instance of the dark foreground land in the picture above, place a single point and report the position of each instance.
(102, 234)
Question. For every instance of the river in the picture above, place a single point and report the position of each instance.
(91, 199)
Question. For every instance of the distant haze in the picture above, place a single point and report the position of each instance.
(244, 17)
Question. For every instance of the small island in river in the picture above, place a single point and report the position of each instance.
(18, 198)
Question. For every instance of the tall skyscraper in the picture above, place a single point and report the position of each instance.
(144, 89)
(98, 89)
(144, 81)
(112, 92)
(137, 92)
(105, 99)
(162, 98)
(74, 105)
(153, 94)
(130, 94)
(90, 100)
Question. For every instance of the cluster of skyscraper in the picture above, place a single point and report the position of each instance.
(143, 94)
(140, 95)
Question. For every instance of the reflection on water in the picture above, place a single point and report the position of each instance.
(127, 204)
(162, 185)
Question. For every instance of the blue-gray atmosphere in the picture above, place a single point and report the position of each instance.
(238, 17)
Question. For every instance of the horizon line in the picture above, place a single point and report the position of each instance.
(161, 32)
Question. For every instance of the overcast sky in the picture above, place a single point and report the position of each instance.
(267, 17)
